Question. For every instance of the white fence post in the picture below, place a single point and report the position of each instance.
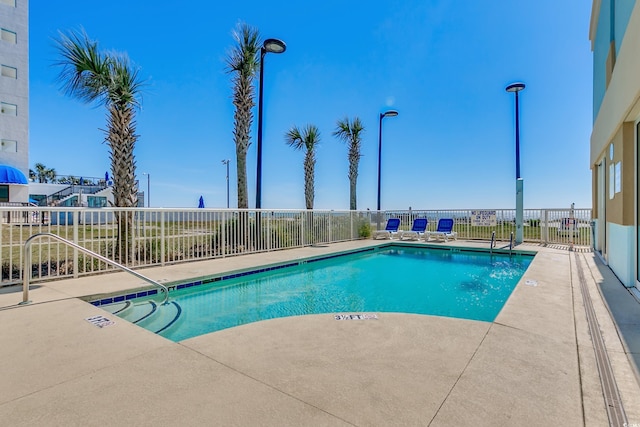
(162, 243)
(331, 226)
(573, 226)
(266, 236)
(223, 235)
(76, 266)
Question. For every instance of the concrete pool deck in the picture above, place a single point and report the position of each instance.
(534, 365)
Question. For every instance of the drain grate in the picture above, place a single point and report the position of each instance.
(612, 400)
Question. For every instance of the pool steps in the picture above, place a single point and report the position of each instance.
(147, 314)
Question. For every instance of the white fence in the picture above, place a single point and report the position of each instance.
(142, 237)
(544, 226)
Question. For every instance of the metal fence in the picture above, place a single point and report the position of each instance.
(545, 226)
(141, 237)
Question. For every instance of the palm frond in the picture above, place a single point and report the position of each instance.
(243, 58)
(347, 130)
(124, 85)
(90, 75)
(294, 139)
(311, 135)
(85, 71)
(308, 137)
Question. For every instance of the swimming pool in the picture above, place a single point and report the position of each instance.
(453, 283)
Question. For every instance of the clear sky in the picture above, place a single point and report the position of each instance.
(442, 64)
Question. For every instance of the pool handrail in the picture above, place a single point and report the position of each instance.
(26, 272)
(511, 244)
(493, 240)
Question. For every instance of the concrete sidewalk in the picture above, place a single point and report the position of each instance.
(534, 366)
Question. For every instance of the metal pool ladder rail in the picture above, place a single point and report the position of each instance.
(511, 244)
(493, 240)
(26, 272)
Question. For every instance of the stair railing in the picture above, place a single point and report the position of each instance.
(26, 273)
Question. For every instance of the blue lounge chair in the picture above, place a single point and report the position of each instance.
(444, 231)
(417, 231)
(391, 230)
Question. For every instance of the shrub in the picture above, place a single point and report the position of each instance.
(364, 231)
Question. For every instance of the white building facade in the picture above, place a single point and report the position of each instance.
(14, 100)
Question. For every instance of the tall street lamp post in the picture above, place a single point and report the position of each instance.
(390, 113)
(515, 88)
(226, 162)
(269, 46)
(148, 188)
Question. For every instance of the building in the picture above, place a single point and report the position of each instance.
(71, 191)
(615, 40)
(14, 101)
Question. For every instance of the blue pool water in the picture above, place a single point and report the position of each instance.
(469, 285)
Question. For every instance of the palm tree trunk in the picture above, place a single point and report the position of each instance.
(243, 116)
(309, 167)
(352, 194)
(243, 100)
(121, 138)
(241, 167)
(243, 203)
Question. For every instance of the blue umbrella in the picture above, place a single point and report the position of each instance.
(106, 176)
(201, 203)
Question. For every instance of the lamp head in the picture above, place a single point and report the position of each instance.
(390, 113)
(515, 87)
(274, 46)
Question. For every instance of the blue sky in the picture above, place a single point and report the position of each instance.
(443, 65)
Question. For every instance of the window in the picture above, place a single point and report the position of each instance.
(11, 3)
(96, 202)
(8, 36)
(612, 181)
(4, 193)
(9, 71)
(40, 199)
(8, 109)
(9, 145)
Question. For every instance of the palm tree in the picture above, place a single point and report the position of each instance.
(351, 132)
(308, 138)
(42, 173)
(108, 79)
(50, 175)
(243, 61)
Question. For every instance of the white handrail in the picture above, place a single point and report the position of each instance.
(26, 273)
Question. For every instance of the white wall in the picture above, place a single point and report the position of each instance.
(46, 189)
(620, 252)
(19, 193)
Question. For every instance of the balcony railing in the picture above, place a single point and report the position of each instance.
(142, 237)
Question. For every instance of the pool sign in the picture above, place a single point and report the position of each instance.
(355, 316)
(100, 321)
(483, 218)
